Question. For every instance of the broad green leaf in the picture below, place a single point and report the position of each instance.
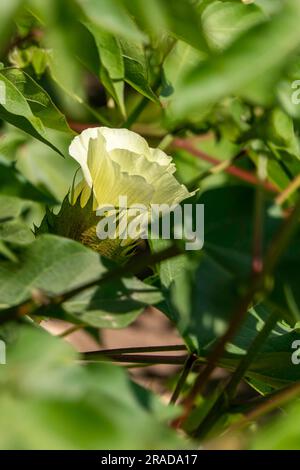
(55, 265)
(16, 232)
(179, 19)
(12, 207)
(14, 228)
(28, 107)
(13, 183)
(45, 169)
(240, 64)
(170, 269)
(136, 68)
(288, 95)
(43, 382)
(282, 134)
(273, 366)
(11, 140)
(224, 22)
(224, 266)
(114, 305)
(50, 263)
(200, 315)
(181, 59)
(112, 64)
(111, 16)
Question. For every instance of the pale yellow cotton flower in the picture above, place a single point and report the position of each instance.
(118, 162)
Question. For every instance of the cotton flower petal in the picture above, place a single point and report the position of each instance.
(160, 157)
(109, 182)
(167, 189)
(125, 139)
(119, 162)
(79, 151)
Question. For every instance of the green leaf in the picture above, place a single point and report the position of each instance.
(180, 60)
(272, 368)
(12, 207)
(240, 64)
(16, 232)
(224, 22)
(282, 134)
(111, 16)
(11, 140)
(43, 382)
(55, 265)
(136, 68)
(179, 19)
(221, 266)
(28, 107)
(45, 169)
(71, 46)
(12, 183)
(13, 228)
(50, 263)
(112, 65)
(114, 305)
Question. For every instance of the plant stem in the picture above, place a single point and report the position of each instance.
(71, 330)
(276, 400)
(228, 393)
(257, 258)
(232, 170)
(183, 376)
(135, 358)
(288, 191)
(140, 349)
(216, 354)
(17, 312)
(136, 112)
(165, 142)
(252, 353)
(215, 169)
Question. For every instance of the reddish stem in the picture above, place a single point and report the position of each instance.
(232, 170)
(81, 126)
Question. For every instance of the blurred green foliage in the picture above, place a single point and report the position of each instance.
(220, 79)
